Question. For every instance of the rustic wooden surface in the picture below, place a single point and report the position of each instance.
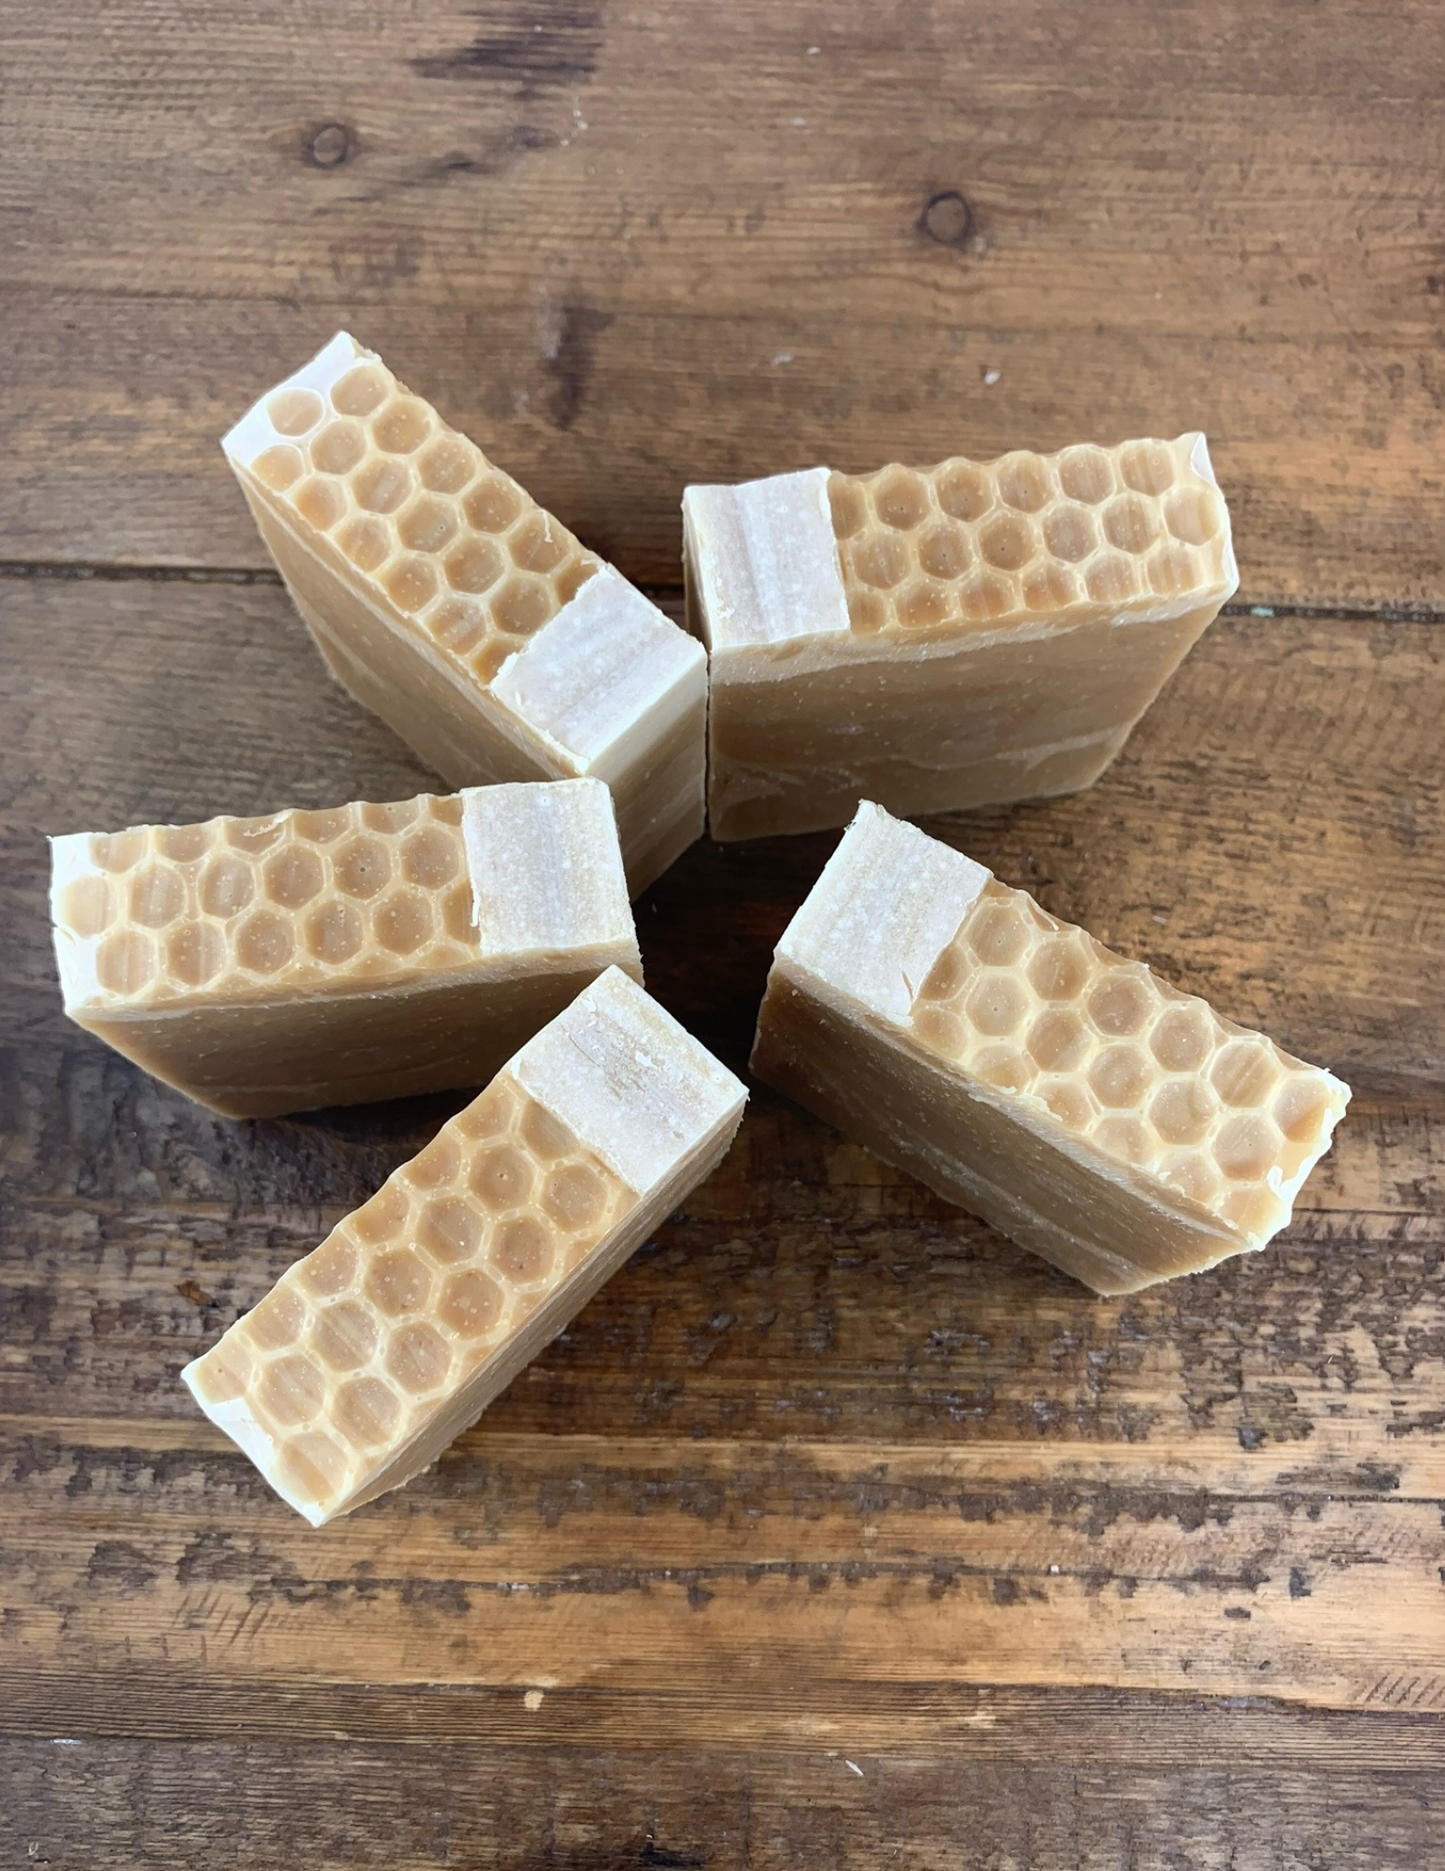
(836, 1532)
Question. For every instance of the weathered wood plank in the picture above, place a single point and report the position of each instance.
(629, 246)
(111, 1805)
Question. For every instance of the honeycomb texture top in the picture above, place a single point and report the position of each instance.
(447, 600)
(1098, 1115)
(944, 638)
(167, 936)
(374, 1351)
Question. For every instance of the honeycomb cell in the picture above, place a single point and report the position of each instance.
(293, 876)
(1071, 1104)
(382, 1218)
(943, 552)
(330, 1269)
(538, 544)
(312, 1466)
(522, 605)
(125, 962)
(458, 624)
(362, 867)
(279, 467)
(338, 448)
(1183, 1038)
(881, 561)
(488, 1116)
(294, 412)
(395, 815)
(344, 1337)
(1070, 534)
(1245, 1148)
(320, 828)
(1008, 1068)
(410, 583)
(997, 1004)
(1008, 542)
(195, 954)
(321, 502)
(334, 933)
(1183, 1111)
(575, 1197)
(447, 464)
(923, 605)
(1171, 570)
(941, 1029)
(849, 509)
(428, 524)
(183, 844)
(1194, 515)
(366, 1412)
(228, 1371)
(439, 1164)
(1060, 968)
(523, 1250)
(1122, 1003)
(947, 974)
(450, 1230)
(999, 933)
(86, 906)
(545, 1135)
(1126, 1139)
(493, 504)
(382, 486)
(1023, 483)
(366, 542)
(398, 1282)
(292, 1391)
(277, 1321)
(985, 597)
(1110, 579)
(1129, 524)
(157, 896)
(572, 577)
(470, 1304)
(118, 852)
(1244, 1072)
(430, 858)
(360, 391)
(404, 923)
(1058, 1040)
(401, 426)
(900, 499)
(473, 565)
(1049, 587)
(1147, 467)
(867, 611)
(501, 1178)
(418, 1358)
(1085, 474)
(1193, 1175)
(459, 916)
(264, 943)
(964, 491)
(1120, 1076)
(1301, 1110)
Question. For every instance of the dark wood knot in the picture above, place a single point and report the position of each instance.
(947, 218)
(328, 146)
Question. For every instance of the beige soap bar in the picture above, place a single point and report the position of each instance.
(452, 605)
(370, 1355)
(310, 958)
(1088, 1110)
(935, 640)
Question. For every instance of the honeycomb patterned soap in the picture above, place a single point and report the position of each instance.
(1084, 1107)
(370, 1355)
(276, 964)
(452, 605)
(980, 632)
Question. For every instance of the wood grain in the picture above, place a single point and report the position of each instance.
(836, 1531)
(628, 246)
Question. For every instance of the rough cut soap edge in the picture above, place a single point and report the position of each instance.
(74, 956)
(838, 933)
(609, 670)
(765, 560)
(631, 1084)
(247, 440)
(546, 870)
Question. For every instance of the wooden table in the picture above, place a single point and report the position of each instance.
(836, 1532)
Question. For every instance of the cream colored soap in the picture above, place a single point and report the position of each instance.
(982, 631)
(372, 1354)
(311, 958)
(455, 607)
(1088, 1110)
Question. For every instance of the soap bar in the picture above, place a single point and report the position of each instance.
(452, 605)
(936, 640)
(370, 1355)
(1084, 1107)
(276, 964)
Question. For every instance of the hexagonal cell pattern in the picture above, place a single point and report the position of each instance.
(1125, 1065)
(362, 1346)
(978, 545)
(413, 515)
(260, 908)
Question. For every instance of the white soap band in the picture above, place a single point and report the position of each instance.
(888, 903)
(546, 867)
(765, 560)
(633, 1086)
